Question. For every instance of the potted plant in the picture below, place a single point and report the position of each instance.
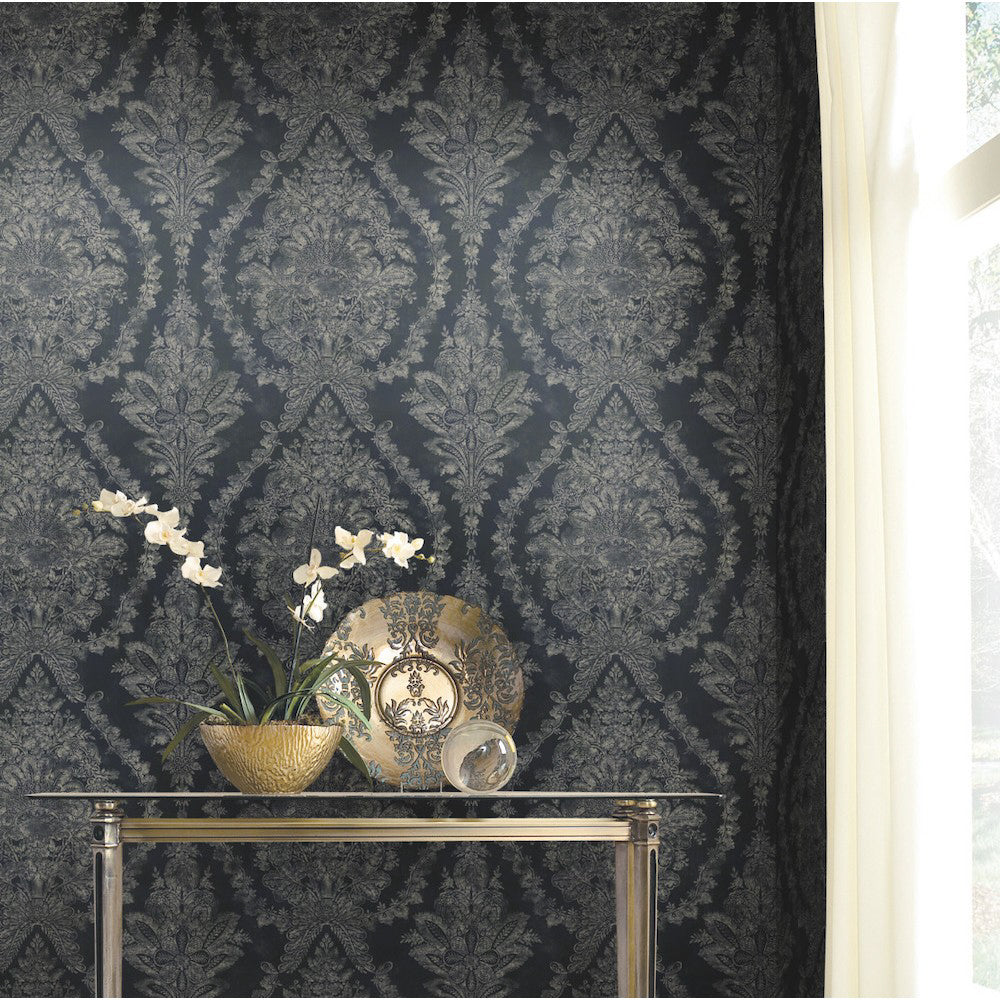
(265, 738)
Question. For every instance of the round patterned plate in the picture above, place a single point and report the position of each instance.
(439, 663)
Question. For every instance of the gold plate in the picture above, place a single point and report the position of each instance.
(439, 663)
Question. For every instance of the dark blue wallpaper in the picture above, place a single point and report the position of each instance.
(538, 282)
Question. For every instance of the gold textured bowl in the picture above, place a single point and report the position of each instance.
(272, 759)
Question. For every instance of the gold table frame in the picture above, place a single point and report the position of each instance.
(633, 828)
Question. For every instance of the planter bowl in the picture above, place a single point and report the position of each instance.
(277, 758)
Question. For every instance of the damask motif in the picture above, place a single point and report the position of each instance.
(746, 402)
(741, 673)
(182, 133)
(404, 705)
(618, 545)
(491, 676)
(330, 462)
(326, 274)
(471, 942)
(50, 55)
(616, 277)
(182, 402)
(44, 850)
(326, 973)
(471, 403)
(328, 60)
(332, 63)
(411, 619)
(633, 277)
(54, 576)
(62, 272)
(317, 893)
(179, 940)
(620, 741)
(741, 130)
(37, 972)
(472, 132)
(620, 62)
(171, 661)
(746, 941)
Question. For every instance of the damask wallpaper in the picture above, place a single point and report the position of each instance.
(539, 282)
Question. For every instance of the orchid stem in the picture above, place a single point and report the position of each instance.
(302, 604)
(222, 632)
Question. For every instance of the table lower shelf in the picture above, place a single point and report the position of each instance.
(381, 831)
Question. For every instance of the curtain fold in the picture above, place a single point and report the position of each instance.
(887, 371)
(862, 939)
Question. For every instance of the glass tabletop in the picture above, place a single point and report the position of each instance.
(115, 794)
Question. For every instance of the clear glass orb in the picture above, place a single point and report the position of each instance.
(478, 756)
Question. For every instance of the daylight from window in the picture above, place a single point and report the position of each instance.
(983, 74)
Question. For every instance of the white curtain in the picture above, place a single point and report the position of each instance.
(897, 544)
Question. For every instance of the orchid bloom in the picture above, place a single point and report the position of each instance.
(182, 546)
(399, 548)
(162, 530)
(308, 572)
(312, 606)
(205, 576)
(117, 504)
(353, 545)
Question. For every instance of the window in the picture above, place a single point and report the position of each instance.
(978, 189)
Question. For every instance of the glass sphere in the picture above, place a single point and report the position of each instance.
(478, 756)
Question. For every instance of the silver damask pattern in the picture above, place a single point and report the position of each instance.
(538, 282)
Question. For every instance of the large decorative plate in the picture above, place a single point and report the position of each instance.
(439, 662)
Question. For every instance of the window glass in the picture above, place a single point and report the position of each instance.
(984, 333)
(982, 65)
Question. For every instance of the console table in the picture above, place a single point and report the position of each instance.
(632, 826)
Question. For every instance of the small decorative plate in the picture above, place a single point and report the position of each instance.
(439, 663)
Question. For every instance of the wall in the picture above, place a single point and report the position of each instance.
(538, 282)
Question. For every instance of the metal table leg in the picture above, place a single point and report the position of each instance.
(107, 845)
(635, 897)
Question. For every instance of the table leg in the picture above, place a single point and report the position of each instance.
(635, 897)
(107, 845)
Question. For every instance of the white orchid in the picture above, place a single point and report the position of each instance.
(294, 689)
(182, 546)
(205, 576)
(117, 504)
(162, 530)
(353, 545)
(308, 572)
(312, 606)
(399, 548)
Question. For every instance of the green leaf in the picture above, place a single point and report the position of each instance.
(183, 732)
(225, 685)
(176, 701)
(246, 705)
(349, 705)
(347, 748)
(300, 698)
(274, 662)
(308, 666)
(254, 688)
(362, 680)
(309, 679)
(291, 698)
(303, 688)
(232, 713)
